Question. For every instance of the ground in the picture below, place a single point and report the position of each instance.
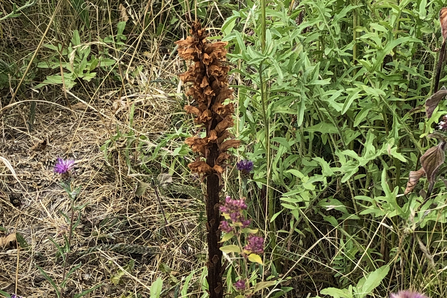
(117, 228)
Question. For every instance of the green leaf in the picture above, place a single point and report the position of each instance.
(121, 26)
(230, 248)
(337, 293)
(50, 280)
(322, 127)
(85, 292)
(249, 231)
(350, 100)
(422, 9)
(326, 169)
(255, 259)
(296, 173)
(227, 236)
(388, 48)
(156, 288)
(373, 280)
(185, 287)
(263, 285)
(76, 40)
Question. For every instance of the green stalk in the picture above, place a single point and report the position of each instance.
(263, 25)
(269, 199)
(354, 33)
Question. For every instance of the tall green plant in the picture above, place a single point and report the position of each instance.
(344, 82)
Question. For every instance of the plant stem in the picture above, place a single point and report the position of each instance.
(69, 235)
(269, 206)
(213, 237)
(263, 24)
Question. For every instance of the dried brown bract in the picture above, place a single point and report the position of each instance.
(209, 78)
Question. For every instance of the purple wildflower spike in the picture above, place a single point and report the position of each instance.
(256, 245)
(232, 210)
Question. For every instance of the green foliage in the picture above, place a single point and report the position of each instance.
(15, 10)
(335, 132)
(156, 288)
(363, 288)
(77, 60)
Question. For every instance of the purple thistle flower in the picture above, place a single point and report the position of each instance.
(246, 166)
(63, 166)
(240, 285)
(408, 294)
(256, 245)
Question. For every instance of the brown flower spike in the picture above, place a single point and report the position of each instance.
(209, 89)
(208, 78)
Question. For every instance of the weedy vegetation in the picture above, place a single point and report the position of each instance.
(223, 148)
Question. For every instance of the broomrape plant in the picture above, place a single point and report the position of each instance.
(208, 77)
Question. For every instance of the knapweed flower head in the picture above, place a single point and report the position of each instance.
(240, 285)
(63, 166)
(232, 211)
(245, 166)
(408, 294)
(255, 245)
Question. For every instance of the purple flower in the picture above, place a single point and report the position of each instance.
(232, 211)
(240, 285)
(15, 296)
(232, 206)
(246, 166)
(224, 226)
(408, 294)
(256, 245)
(63, 166)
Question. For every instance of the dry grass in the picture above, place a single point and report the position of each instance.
(112, 213)
(75, 124)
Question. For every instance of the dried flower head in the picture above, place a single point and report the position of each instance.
(245, 166)
(408, 294)
(207, 78)
(240, 285)
(63, 166)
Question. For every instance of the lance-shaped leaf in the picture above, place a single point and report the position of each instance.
(431, 161)
(413, 180)
(432, 102)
